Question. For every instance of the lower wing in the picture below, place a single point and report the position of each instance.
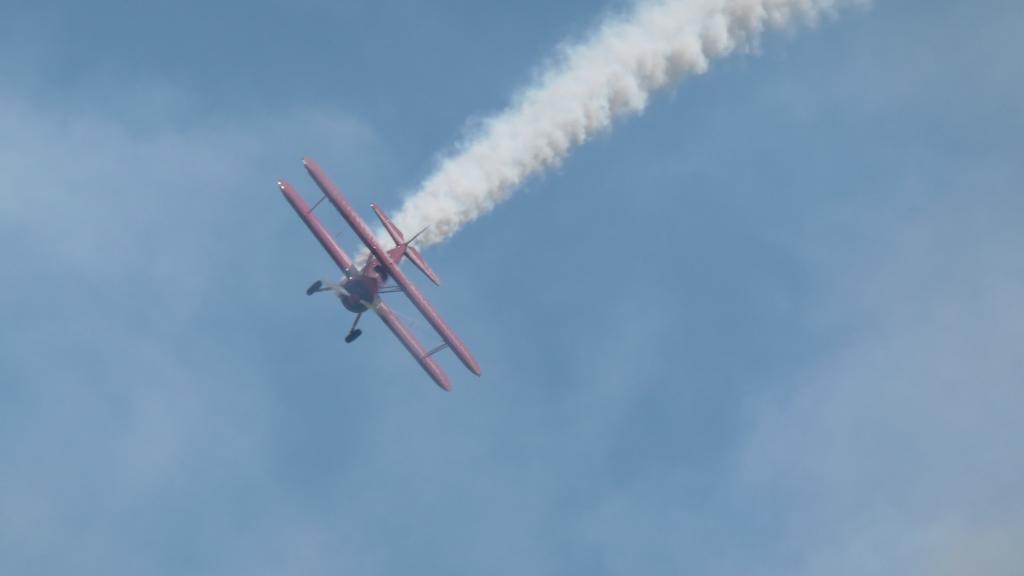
(411, 344)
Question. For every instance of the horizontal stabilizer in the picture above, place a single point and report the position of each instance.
(393, 230)
(419, 262)
(403, 247)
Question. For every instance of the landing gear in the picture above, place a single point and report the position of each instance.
(354, 332)
(350, 302)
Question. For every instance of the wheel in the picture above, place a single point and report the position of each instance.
(352, 336)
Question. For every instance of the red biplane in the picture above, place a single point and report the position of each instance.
(360, 290)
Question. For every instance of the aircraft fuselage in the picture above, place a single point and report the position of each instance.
(363, 288)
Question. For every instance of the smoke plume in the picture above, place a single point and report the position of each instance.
(609, 75)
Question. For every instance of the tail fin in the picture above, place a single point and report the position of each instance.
(402, 247)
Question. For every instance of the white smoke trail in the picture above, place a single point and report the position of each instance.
(608, 76)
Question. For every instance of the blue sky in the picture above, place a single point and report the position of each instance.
(773, 325)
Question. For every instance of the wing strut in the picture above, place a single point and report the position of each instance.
(322, 197)
(436, 350)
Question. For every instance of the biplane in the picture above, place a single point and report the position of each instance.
(360, 288)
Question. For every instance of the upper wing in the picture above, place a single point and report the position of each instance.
(318, 230)
(411, 344)
(435, 320)
(364, 233)
(346, 210)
